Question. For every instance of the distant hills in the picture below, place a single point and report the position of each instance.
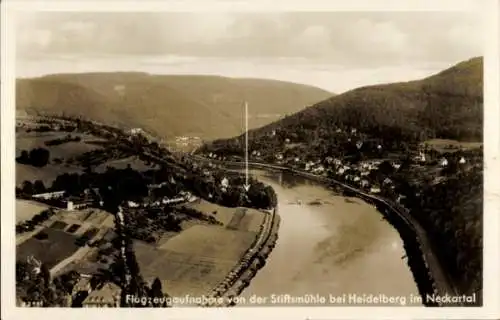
(447, 105)
(168, 105)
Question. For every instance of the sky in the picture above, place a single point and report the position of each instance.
(336, 51)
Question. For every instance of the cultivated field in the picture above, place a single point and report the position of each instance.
(211, 241)
(28, 141)
(248, 221)
(59, 251)
(25, 209)
(47, 174)
(194, 261)
(444, 145)
(134, 162)
(58, 246)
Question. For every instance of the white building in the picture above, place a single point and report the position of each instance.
(132, 204)
(375, 189)
(49, 195)
(136, 131)
(421, 157)
(462, 160)
(443, 162)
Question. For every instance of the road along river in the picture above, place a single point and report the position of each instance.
(331, 250)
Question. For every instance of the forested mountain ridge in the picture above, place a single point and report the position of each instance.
(447, 105)
(168, 105)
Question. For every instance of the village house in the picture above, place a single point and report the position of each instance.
(387, 181)
(83, 285)
(135, 131)
(443, 162)
(309, 165)
(364, 183)
(78, 203)
(420, 157)
(375, 189)
(107, 296)
(132, 204)
(400, 198)
(224, 182)
(462, 160)
(318, 170)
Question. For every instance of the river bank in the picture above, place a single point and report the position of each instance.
(427, 270)
(329, 245)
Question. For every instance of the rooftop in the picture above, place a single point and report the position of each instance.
(106, 294)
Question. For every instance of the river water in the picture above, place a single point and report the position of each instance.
(331, 250)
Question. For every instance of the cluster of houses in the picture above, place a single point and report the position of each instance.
(182, 197)
(358, 174)
(106, 296)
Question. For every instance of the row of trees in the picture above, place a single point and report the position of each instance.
(37, 219)
(38, 157)
(66, 139)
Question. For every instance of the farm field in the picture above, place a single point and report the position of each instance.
(70, 150)
(134, 162)
(25, 209)
(444, 145)
(194, 261)
(28, 141)
(58, 246)
(250, 220)
(47, 174)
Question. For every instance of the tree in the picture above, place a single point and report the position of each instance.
(45, 274)
(156, 287)
(28, 188)
(24, 158)
(39, 187)
(39, 157)
(386, 168)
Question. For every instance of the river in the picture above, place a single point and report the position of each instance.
(330, 247)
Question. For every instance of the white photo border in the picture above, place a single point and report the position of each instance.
(491, 285)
